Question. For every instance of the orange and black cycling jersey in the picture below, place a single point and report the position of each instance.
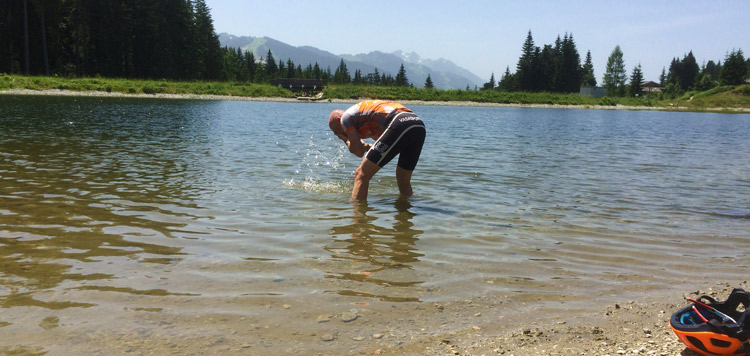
(371, 117)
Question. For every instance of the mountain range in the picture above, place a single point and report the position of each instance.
(444, 73)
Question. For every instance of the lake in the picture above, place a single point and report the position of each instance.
(226, 227)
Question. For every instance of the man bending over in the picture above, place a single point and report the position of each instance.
(396, 131)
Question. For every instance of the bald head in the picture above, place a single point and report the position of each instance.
(334, 122)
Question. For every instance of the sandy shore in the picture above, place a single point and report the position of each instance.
(57, 92)
(638, 327)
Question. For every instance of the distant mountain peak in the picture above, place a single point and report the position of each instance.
(409, 57)
(444, 73)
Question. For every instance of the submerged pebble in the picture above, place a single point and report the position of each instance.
(348, 317)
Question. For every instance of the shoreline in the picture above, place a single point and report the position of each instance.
(103, 94)
(629, 327)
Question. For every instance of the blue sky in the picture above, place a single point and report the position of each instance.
(486, 36)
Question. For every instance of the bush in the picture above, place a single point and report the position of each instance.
(607, 101)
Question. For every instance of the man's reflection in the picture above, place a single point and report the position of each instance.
(378, 255)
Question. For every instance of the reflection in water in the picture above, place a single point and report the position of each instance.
(50, 236)
(378, 255)
(80, 193)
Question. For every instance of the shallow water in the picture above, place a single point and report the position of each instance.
(215, 227)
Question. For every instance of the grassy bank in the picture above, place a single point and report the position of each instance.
(130, 86)
(482, 96)
(726, 98)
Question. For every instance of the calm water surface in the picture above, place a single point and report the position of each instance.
(216, 227)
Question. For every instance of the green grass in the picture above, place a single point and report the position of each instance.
(725, 98)
(131, 86)
(482, 96)
(717, 99)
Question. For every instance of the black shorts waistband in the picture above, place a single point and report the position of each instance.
(401, 115)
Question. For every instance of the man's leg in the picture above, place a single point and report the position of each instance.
(403, 178)
(362, 177)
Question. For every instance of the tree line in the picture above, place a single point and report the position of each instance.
(172, 39)
(558, 68)
(142, 39)
(684, 75)
(175, 39)
(550, 68)
(242, 66)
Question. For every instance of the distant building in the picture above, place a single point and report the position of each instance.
(596, 92)
(651, 87)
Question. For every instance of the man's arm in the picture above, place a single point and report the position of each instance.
(356, 145)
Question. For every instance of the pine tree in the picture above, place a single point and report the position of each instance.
(524, 70)
(690, 72)
(663, 77)
(683, 72)
(491, 84)
(261, 71)
(175, 41)
(569, 73)
(614, 76)
(272, 69)
(508, 81)
(401, 80)
(428, 83)
(358, 80)
(27, 65)
(251, 66)
(241, 66)
(537, 78)
(588, 78)
(317, 73)
(636, 81)
(290, 69)
(546, 66)
(282, 69)
(734, 71)
(712, 69)
(374, 77)
(342, 74)
(207, 45)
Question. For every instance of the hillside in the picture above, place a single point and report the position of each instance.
(444, 74)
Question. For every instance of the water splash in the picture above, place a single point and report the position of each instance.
(320, 168)
(311, 184)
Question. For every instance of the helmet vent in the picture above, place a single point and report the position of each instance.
(698, 344)
(720, 343)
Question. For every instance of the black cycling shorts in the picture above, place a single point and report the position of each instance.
(404, 137)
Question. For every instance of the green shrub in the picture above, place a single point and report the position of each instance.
(607, 101)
